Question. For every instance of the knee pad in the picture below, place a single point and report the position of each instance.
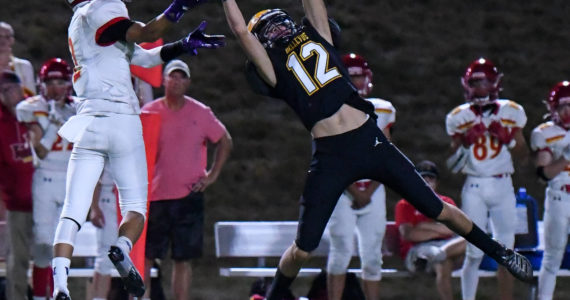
(66, 231)
(43, 254)
(103, 264)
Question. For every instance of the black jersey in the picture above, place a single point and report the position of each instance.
(312, 79)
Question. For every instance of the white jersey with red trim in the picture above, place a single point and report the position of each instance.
(102, 76)
(385, 111)
(37, 109)
(487, 156)
(553, 138)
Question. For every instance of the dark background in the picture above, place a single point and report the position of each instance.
(417, 49)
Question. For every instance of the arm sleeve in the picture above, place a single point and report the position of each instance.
(146, 58)
(537, 140)
(111, 21)
(214, 128)
(404, 213)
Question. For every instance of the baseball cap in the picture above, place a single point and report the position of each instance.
(176, 65)
(427, 168)
(9, 77)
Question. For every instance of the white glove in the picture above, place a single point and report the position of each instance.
(458, 160)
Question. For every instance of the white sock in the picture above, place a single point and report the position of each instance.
(125, 244)
(60, 273)
(98, 298)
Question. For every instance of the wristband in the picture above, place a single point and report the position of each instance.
(540, 173)
(171, 51)
(50, 135)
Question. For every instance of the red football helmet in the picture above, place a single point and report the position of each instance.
(559, 95)
(482, 82)
(358, 66)
(55, 68)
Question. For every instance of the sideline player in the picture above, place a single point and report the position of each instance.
(102, 42)
(485, 130)
(300, 65)
(362, 206)
(550, 142)
(43, 115)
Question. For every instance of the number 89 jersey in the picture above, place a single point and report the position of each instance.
(311, 77)
(487, 156)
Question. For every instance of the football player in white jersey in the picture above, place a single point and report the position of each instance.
(362, 206)
(44, 114)
(102, 41)
(550, 142)
(484, 131)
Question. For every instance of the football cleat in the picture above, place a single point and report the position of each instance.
(131, 278)
(516, 264)
(62, 296)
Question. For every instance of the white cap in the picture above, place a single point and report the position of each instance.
(176, 65)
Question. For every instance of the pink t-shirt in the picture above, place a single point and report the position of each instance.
(182, 147)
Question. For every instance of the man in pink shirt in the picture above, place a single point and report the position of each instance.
(176, 213)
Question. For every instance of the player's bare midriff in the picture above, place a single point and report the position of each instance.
(345, 119)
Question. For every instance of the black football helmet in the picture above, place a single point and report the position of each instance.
(272, 26)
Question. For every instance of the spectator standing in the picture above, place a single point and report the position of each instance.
(23, 68)
(16, 171)
(484, 131)
(426, 242)
(176, 213)
(362, 206)
(43, 115)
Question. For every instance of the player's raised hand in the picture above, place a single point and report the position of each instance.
(175, 11)
(198, 39)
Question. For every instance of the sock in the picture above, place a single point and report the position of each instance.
(60, 272)
(98, 299)
(125, 244)
(42, 278)
(279, 286)
(483, 241)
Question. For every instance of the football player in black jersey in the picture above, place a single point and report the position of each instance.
(300, 65)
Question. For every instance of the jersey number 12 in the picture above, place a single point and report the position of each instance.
(323, 75)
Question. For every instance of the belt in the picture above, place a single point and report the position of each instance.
(502, 175)
(565, 188)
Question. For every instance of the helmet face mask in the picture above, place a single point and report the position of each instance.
(272, 26)
(481, 82)
(360, 73)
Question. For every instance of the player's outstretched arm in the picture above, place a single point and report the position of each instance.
(316, 13)
(139, 32)
(250, 45)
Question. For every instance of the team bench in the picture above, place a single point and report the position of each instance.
(269, 239)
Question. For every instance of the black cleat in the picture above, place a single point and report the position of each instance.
(62, 296)
(515, 263)
(131, 278)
